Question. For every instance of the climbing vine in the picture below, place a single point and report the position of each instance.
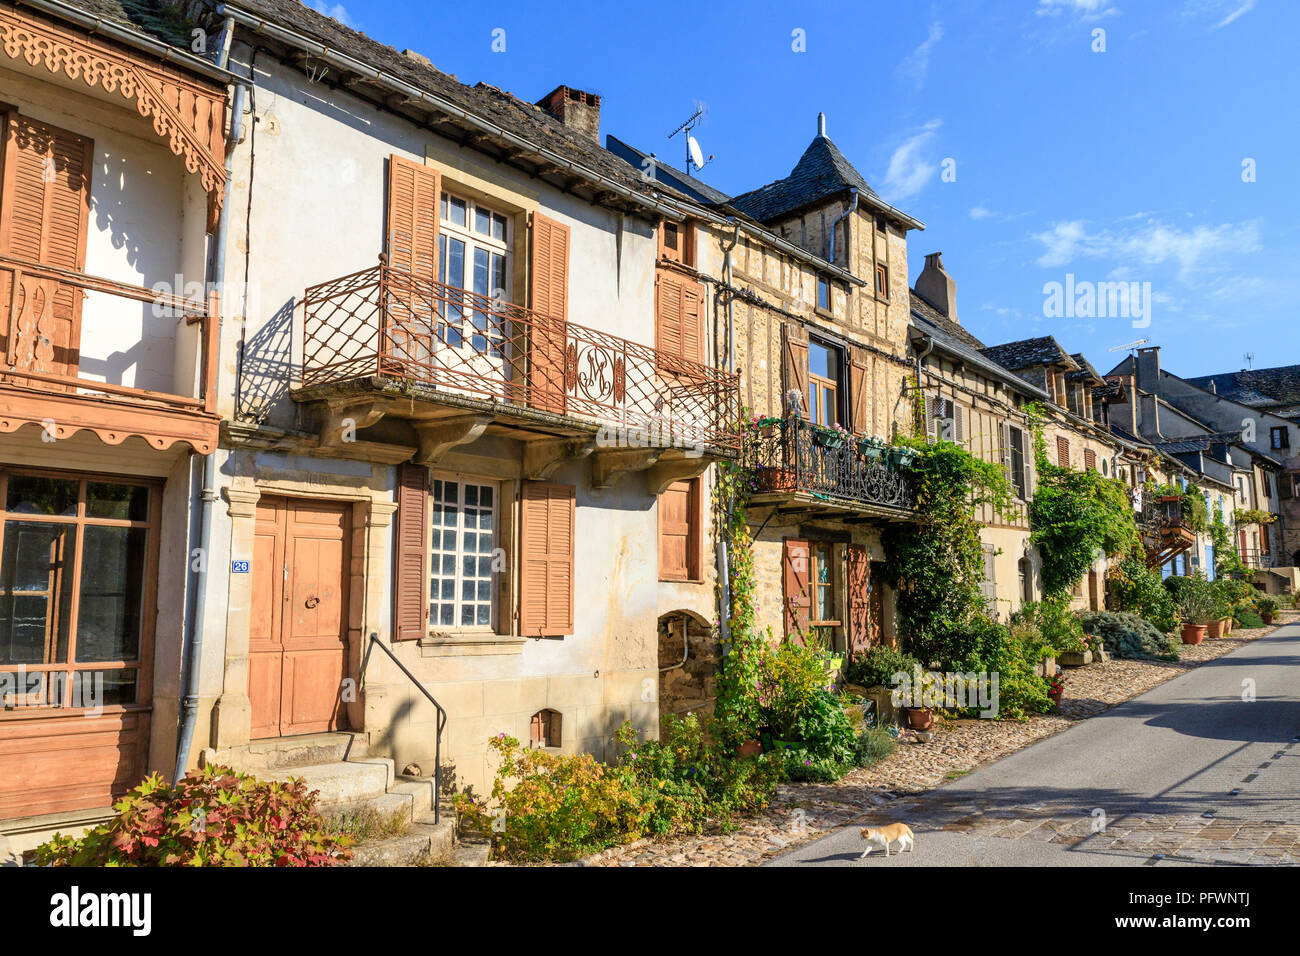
(1075, 517)
(937, 564)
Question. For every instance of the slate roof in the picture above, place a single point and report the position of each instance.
(1259, 386)
(156, 18)
(665, 173)
(958, 346)
(955, 329)
(1029, 353)
(822, 172)
(1086, 371)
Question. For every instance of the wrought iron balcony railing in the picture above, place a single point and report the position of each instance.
(388, 323)
(791, 455)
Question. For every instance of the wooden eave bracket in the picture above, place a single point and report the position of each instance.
(543, 457)
(438, 437)
(341, 419)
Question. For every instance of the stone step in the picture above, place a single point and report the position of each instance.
(425, 842)
(308, 750)
(342, 784)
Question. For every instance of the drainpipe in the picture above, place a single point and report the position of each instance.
(723, 558)
(845, 215)
(921, 357)
(192, 642)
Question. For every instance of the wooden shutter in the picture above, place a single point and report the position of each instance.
(679, 318)
(414, 191)
(796, 559)
(548, 271)
(857, 566)
(679, 523)
(859, 391)
(546, 568)
(410, 608)
(796, 365)
(1063, 452)
(1089, 459)
(44, 218)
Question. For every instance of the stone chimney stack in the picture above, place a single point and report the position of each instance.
(576, 109)
(937, 287)
(821, 125)
(1148, 369)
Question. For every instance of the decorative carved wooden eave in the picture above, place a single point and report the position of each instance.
(187, 113)
(61, 415)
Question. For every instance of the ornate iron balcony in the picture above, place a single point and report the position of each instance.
(792, 456)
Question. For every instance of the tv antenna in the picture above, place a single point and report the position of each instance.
(1130, 345)
(1250, 359)
(694, 155)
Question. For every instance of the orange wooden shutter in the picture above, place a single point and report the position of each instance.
(858, 568)
(1089, 459)
(795, 562)
(679, 509)
(414, 191)
(1063, 452)
(796, 365)
(410, 607)
(44, 218)
(679, 317)
(549, 277)
(546, 568)
(859, 392)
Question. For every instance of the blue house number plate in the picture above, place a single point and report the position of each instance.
(239, 567)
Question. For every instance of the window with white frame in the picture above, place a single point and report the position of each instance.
(474, 255)
(462, 539)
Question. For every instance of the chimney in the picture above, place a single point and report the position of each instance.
(937, 287)
(821, 125)
(576, 109)
(1148, 369)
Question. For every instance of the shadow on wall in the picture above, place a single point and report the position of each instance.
(266, 369)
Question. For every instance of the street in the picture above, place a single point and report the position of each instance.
(1189, 773)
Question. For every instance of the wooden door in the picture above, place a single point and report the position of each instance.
(298, 637)
(857, 567)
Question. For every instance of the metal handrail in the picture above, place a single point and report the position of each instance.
(442, 716)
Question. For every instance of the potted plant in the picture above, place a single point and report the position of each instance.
(1267, 607)
(1196, 601)
(902, 457)
(871, 448)
(1056, 688)
(920, 718)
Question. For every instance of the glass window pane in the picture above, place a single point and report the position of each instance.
(93, 689)
(830, 414)
(471, 494)
(484, 615)
(112, 594)
(33, 495)
(112, 500)
(819, 360)
(455, 210)
(36, 592)
(498, 226)
(482, 221)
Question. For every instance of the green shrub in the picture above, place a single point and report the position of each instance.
(212, 817)
(878, 666)
(1129, 636)
(1051, 624)
(1266, 605)
(873, 745)
(1021, 692)
(1136, 588)
(1198, 600)
(1249, 619)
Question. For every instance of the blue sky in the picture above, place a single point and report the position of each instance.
(1125, 164)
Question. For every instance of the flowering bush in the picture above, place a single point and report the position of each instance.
(212, 817)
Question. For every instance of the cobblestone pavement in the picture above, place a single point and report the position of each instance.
(894, 788)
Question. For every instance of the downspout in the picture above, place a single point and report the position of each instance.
(722, 557)
(845, 215)
(921, 357)
(191, 651)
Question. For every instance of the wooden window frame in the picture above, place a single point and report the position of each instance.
(1279, 438)
(818, 385)
(1019, 476)
(824, 282)
(694, 573)
(143, 663)
(494, 616)
(813, 562)
(882, 282)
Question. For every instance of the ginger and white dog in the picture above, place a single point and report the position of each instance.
(899, 833)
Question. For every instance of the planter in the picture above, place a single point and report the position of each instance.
(1214, 629)
(775, 479)
(1266, 618)
(920, 718)
(1193, 633)
(1055, 693)
(871, 452)
(1076, 658)
(749, 748)
(883, 697)
(1046, 667)
(902, 458)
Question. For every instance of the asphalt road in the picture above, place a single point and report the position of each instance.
(1148, 782)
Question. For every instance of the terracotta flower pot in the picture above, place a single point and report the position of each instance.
(1055, 693)
(920, 718)
(1193, 633)
(1214, 629)
(1266, 618)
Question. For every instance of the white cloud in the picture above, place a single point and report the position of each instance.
(335, 10)
(918, 64)
(1245, 7)
(1083, 9)
(1147, 243)
(981, 212)
(909, 170)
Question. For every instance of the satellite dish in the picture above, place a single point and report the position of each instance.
(697, 154)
